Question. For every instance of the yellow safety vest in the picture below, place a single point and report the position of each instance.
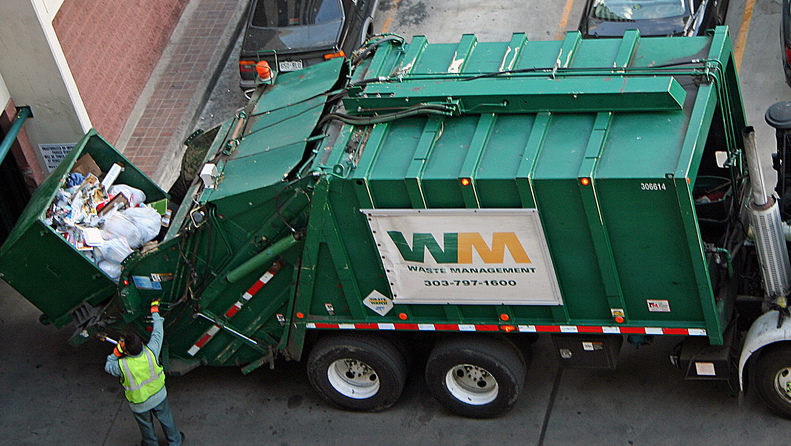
(142, 376)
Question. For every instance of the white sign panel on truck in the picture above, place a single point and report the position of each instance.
(465, 256)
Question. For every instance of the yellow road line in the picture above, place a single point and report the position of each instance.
(564, 20)
(389, 18)
(741, 41)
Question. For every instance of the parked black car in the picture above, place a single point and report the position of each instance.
(785, 40)
(292, 34)
(611, 18)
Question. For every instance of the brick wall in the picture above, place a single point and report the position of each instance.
(112, 47)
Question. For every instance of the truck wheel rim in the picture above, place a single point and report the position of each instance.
(471, 384)
(353, 378)
(783, 383)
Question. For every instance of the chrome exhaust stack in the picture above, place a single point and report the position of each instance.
(767, 227)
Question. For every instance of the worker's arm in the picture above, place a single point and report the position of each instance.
(111, 366)
(157, 335)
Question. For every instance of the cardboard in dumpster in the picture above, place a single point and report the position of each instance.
(117, 202)
(86, 165)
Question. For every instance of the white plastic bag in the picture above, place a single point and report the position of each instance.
(147, 220)
(134, 196)
(113, 250)
(112, 269)
(118, 225)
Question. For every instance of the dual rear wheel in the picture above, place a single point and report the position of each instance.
(357, 371)
(478, 377)
(473, 376)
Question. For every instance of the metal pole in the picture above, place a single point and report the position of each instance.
(22, 114)
(230, 330)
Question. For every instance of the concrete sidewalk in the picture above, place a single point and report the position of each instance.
(180, 85)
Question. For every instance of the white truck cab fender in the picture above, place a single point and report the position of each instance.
(763, 332)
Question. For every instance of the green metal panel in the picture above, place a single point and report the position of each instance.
(592, 206)
(529, 95)
(524, 124)
(270, 146)
(560, 200)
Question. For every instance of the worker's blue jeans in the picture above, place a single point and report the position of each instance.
(145, 420)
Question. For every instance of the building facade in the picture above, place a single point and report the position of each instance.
(74, 65)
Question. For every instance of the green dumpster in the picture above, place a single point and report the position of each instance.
(40, 264)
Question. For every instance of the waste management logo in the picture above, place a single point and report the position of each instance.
(465, 256)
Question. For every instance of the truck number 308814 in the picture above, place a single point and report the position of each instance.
(653, 186)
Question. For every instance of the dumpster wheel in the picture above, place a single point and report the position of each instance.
(357, 371)
(476, 377)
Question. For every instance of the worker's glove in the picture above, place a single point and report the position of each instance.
(119, 349)
(155, 307)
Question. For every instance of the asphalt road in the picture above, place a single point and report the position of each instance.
(54, 394)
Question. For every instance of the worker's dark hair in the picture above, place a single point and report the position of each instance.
(133, 346)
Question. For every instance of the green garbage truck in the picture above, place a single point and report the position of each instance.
(462, 198)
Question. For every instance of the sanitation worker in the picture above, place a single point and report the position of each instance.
(144, 382)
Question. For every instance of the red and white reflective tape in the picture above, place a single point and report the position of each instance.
(266, 277)
(611, 330)
(520, 328)
(203, 339)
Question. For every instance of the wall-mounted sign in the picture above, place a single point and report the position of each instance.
(54, 153)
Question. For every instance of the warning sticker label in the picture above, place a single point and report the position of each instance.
(658, 306)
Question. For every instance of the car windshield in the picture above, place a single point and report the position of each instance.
(284, 13)
(627, 10)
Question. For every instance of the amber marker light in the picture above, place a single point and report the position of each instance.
(262, 68)
(465, 181)
(300, 315)
(585, 181)
(619, 319)
(504, 317)
(334, 55)
(507, 328)
(402, 316)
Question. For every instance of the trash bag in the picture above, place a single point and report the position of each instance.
(112, 250)
(135, 196)
(116, 224)
(147, 220)
(112, 269)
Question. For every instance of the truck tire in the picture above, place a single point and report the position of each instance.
(476, 377)
(357, 371)
(773, 379)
